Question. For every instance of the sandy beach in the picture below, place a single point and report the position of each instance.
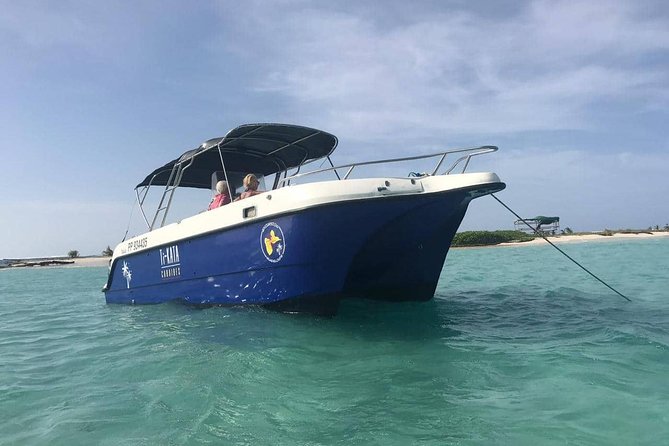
(594, 237)
(56, 262)
(91, 261)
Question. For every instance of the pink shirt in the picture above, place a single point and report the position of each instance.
(218, 201)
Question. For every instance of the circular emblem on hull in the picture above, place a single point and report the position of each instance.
(272, 242)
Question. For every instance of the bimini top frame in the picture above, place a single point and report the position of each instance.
(264, 149)
(260, 148)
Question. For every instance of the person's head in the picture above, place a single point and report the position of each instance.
(222, 187)
(251, 182)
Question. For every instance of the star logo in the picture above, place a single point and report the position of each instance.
(272, 242)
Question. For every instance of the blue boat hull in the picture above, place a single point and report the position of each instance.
(391, 248)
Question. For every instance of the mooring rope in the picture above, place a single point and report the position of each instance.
(132, 209)
(561, 251)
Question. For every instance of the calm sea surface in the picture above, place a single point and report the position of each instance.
(519, 347)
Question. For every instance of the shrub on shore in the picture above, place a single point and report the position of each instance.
(484, 238)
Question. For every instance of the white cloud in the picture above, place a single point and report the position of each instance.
(393, 77)
(458, 72)
(596, 28)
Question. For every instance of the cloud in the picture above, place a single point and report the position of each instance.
(94, 91)
(597, 28)
(543, 68)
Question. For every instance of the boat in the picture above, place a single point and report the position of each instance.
(316, 235)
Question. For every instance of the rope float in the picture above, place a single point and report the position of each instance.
(561, 251)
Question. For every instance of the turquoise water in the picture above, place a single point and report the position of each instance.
(518, 347)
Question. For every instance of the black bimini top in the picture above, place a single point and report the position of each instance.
(545, 220)
(259, 148)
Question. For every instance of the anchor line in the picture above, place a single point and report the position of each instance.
(132, 209)
(561, 251)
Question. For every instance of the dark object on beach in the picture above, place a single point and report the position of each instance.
(26, 264)
(540, 225)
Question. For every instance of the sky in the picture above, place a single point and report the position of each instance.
(95, 95)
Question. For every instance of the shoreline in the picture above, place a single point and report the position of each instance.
(103, 261)
(91, 261)
(58, 262)
(580, 238)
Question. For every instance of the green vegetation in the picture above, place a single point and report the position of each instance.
(73, 254)
(628, 231)
(484, 238)
(487, 238)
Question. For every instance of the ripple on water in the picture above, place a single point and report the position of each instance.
(516, 348)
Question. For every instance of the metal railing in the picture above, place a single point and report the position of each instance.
(170, 187)
(468, 154)
(178, 169)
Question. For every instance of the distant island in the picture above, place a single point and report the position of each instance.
(18, 263)
(37, 262)
(502, 237)
(486, 238)
(73, 258)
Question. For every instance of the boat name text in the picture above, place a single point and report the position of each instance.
(170, 265)
(134, 245)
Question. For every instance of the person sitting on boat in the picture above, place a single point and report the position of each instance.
(251, 184)
(222, 197)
